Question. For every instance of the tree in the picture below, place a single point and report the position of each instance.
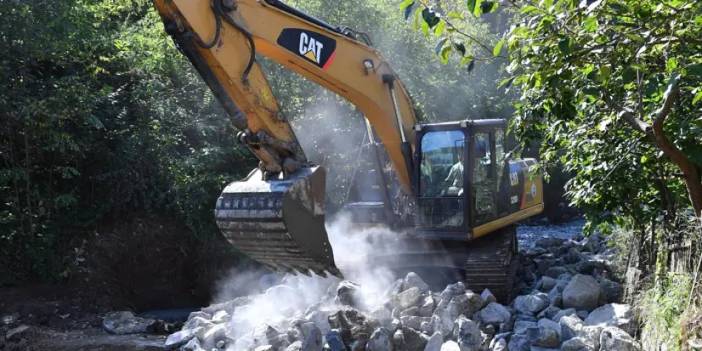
(612, 91)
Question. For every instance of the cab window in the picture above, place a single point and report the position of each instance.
(441, 170)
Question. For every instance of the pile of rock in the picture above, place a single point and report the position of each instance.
(568, 302)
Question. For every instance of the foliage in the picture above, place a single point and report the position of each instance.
(662, 310)
(102, 117)
(593, 78)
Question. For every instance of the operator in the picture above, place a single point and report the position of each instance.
(455, 178)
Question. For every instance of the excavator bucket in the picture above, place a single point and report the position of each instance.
(279, 222)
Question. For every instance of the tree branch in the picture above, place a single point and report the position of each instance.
(630, 117)
(689, 170)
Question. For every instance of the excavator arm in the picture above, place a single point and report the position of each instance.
(276, 214)
(222, 39)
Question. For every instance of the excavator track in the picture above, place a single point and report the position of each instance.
(491, 263)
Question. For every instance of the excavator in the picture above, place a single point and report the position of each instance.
(466, 192)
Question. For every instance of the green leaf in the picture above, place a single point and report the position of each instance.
(471, 5)
(697, 98)
(478, 8)
(445, 53)
(430, 17)
(439, 30)
(440, 45)
(460, 47)
(590, 24)
(498, 48)
(408, 10)
(488, 6)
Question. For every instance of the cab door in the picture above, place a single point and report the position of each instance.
(441, 182)
(486, 159)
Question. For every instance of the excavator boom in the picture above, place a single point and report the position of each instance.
(276, 214)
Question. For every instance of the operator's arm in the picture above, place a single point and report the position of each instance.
(221, 38)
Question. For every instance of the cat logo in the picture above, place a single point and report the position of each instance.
(310, 48)
(314, 47)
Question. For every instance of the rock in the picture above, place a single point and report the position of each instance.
(570, 327)
(582, 292)
(296, 346)
(494, 313)
(321, 320)
(531, 304)
(474, 303)
(555, 271)
(348, 294)
(435, 342)
(467, 334)
(498, 344)
(545, 284)
(518, 342)
(9, 319)
(545, 323)
(488, 297)
(180, 338)
(565, 312)
(379, 340)
(549, 312)
(412, 311)
(413, 280)
(220, 317)
(612, 315)
(582, 314)
(520, 327)
(543, 336)
(573, 256)
(591, 334)
(414, 322)
(449, 292)
(265, 348)
(450, 346)
(19, 333)
(125, 322)
(615, 339)
(591, 265)
(577, 344)
(382, 315)
(198, 321)
(427, 307)
(548, 242)
(312, 337)
(192, 345)
(213, 336)
(334, 341)
(611, 291)
(412, 340)
(407, 298)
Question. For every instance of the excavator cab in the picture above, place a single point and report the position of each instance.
(460, 177)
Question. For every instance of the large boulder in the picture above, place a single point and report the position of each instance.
(581, 293)
(450, 346)
(467, 334)
(494, 313)
(348, 294)
(407, 298)
(180, 338)
(570, 327)
(427, 306)
(518, 342)
(577, 344)
(333, 339)
(413, 280)
(615, 339)
(434, 343)
(449, 292)
(531, 304)
(379, 340)
(613, 315)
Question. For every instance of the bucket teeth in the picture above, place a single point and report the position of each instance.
(279, 223)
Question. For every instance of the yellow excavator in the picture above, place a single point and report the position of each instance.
(467, 194)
